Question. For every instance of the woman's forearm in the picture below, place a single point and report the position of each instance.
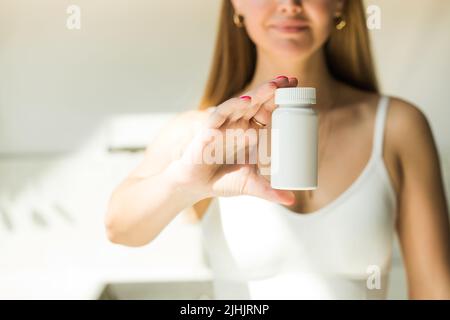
(140, 208)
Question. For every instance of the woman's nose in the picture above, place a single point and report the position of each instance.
(290, 6)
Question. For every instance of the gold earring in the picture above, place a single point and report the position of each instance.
(238, 21)
(341, 23)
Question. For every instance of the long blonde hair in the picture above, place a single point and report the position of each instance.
(347, 52)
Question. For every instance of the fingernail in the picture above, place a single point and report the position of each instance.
(279, 77)
(245, 97)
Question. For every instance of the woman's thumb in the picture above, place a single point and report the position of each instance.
(260, 187)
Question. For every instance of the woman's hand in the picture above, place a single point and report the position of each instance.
(207, 166)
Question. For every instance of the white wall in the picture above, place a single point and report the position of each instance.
(129, 56)
(140, 56)
(412, 53)
(136, 55)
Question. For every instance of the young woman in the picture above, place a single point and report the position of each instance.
(379, 170)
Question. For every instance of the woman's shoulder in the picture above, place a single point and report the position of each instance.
(409, 126)
(404, 119)
(406, 114)
(407, 133)
(403, 115)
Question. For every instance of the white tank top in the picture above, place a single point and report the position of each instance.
(259, 249)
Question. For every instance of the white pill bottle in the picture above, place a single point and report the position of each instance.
(294, 140)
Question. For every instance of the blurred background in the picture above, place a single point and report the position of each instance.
(78, 105)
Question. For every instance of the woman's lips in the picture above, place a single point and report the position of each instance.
(290, 29)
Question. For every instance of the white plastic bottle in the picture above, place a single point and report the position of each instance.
(294, 140)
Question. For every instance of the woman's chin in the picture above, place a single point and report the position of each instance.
(291, 51)
(294, 45)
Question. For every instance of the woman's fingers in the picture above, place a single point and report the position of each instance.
(263, 93)
(257, 102)
(233, 108)
(263, 111)
(260, 187)
(234, 180)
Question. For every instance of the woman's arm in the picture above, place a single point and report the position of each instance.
(151, 187)
(170, 178)
(423, 223)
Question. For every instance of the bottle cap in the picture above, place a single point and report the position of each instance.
(295, 95)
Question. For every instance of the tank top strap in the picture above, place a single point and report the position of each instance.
(380, 123)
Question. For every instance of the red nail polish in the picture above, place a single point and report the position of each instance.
(245, 97)
(279, 77)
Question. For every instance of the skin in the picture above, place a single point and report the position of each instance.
(409, 149)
